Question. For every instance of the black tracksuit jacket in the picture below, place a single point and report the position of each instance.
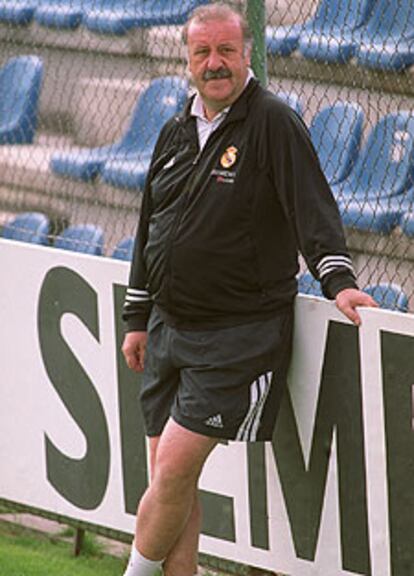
(220, 230)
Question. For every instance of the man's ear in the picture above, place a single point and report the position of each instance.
(187, 68)
(248, 53)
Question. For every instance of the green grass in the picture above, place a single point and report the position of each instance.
(26, 553)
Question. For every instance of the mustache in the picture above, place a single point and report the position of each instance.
(217, 74)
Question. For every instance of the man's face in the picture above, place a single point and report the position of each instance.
(218, 61)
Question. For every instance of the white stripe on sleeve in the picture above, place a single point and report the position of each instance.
(329, 264)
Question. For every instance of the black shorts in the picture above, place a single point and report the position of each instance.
(226, 383)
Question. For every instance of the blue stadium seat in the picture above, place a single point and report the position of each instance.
(118, 16)
(63, 14)
(30, 227)
(128, 168)
(129, 171)
(331, 35)
(384, 167)
(292, 99)
(388, 39)
(283, 40)
(380, 216)
(406, 222)
(18, 12)
(124, 250)
(163, 98)
(336, 134)
(85, 238)
(20, 83)
(389, 296)
(308, 285)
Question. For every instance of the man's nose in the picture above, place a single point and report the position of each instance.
(214, 61)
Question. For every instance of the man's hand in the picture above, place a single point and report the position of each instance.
(133, 350)
(347, 301)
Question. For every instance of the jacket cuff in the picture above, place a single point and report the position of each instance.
(136, 322)
(338, 281)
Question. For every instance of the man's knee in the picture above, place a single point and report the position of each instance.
(180, 456)
(174, 482)
(182, 449)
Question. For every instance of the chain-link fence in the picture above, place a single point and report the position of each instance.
(85, 87)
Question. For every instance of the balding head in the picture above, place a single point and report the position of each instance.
(218, 11)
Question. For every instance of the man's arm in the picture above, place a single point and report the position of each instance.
(315, 220)
(138, 302)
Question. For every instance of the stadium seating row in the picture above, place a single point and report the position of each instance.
(104, 16)
(378, 33)
(34, 227)
(373, 186)
(336, 133)
(125, 163)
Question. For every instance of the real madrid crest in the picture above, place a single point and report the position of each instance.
(229, 157)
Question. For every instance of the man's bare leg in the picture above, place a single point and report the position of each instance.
(169, 502)
(183, 558)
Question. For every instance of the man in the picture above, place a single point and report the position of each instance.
(233, 192)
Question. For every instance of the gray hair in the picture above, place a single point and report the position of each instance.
(218, 11)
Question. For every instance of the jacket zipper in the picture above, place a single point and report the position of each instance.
(181, 209)
(197, 158)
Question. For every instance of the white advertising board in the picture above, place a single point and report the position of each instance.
(332, 494)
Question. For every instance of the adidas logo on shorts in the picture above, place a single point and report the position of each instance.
(215, 421)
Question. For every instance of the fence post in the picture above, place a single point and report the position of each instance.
(78, 542)
(256, 17)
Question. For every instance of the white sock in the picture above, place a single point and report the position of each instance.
(140, 566)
